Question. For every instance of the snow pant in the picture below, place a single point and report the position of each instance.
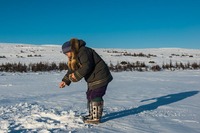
(96, 94)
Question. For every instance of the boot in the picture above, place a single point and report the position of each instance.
(95, 113)
(89, 116)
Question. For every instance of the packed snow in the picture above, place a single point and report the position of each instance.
(140, 102)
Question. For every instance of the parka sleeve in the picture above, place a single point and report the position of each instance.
(66, 78)
(87, 65)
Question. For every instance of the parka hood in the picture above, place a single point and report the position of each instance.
(76, 44)
(81, 43)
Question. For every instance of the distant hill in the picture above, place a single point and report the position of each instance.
(26, 54)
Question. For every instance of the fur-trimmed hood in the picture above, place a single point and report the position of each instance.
(76, 44)
(73, 45)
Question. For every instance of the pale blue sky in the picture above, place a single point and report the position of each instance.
(102, 23)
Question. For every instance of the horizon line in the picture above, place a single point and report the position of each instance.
(11, 43)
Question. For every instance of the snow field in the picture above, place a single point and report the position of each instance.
(135, 102)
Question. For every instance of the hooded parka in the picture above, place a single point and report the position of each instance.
(89, 66)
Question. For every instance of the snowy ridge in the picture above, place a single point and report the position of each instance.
(26, 53)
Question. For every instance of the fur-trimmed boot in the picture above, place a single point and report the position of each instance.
(89, 106)
(95, 113)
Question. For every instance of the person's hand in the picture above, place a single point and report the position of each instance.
(62, 84)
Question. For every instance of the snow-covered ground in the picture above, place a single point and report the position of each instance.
(139, 102)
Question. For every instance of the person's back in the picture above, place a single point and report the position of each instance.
(99, 74)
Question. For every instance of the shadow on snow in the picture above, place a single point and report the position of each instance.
(160, 101)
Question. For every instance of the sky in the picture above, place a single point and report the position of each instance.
(102, 23)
